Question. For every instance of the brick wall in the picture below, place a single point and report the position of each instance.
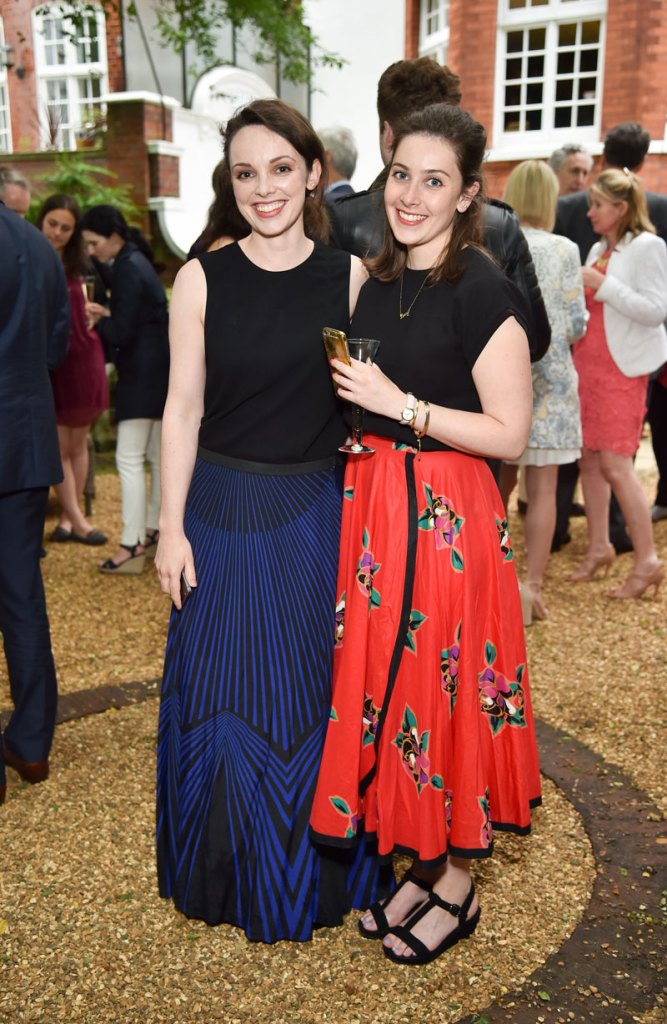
(131, 123)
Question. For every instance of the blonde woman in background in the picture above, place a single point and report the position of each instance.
(625, 278)
(555, 434)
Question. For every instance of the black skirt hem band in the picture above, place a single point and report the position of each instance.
(269, 468)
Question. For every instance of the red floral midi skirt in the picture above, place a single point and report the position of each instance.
(430, 744)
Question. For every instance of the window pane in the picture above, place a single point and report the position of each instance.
(563, 117)
(534, 93)
(533, 120)
(512, 95)
(567, 35)
(513, 69)
(537, 38)
(514, 42)
(586, 116)
(565, 65)
(590, 32)
(564, 89)
(587, 88)
(535, 67)
(588, 61)
(512, 122)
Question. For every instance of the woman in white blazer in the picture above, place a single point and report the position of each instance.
(625, 278)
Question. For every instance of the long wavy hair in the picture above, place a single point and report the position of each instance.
(286, 121)
(73, 254)
(467, 138)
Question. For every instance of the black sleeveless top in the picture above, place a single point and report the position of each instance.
(432, 351)
(269, 395)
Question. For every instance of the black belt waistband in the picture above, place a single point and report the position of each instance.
(269, 468)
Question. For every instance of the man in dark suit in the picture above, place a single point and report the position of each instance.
(340, 153)
(626, 145)
(358, 221)
(34, 332)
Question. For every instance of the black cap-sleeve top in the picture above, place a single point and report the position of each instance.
(432, 351)
(269, 395)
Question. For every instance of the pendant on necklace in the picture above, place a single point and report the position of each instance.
(403, 315)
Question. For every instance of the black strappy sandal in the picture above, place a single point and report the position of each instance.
(422, 954)
(377, 909)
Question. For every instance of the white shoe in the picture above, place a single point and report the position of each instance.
(658, 512)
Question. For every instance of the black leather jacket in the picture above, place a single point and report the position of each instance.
(358, 224)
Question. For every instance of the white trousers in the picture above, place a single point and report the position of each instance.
(138, 442)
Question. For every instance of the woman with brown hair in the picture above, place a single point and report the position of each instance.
(430, 746)
(249, 527)
(625, 278)
(80, 387)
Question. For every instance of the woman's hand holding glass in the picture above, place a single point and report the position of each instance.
(366, 385)
(95, 312)
(172, 558)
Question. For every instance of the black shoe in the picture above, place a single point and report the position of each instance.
(422, 954)
(522, 506)
(377, 909)
(577, 509)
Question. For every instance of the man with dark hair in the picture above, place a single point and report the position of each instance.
(626, 145)
(358, 221)
(34, 332)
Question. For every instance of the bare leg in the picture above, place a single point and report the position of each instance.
(508, 475)
(540, 518)
(597, 494)
(619, 472)
(73, 452)
(452, 883)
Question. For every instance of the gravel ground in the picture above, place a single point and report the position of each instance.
(83, 934)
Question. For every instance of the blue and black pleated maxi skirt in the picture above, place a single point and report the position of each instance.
(245, 703)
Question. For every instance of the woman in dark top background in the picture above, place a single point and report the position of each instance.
(430, 744)
(251, 516)
(80, 388)
(134, 331)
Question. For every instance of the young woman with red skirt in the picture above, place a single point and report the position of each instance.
(430, 746)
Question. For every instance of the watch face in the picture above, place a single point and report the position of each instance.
(408, 415)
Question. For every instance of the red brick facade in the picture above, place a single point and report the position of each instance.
(635, 71)
(21, 79)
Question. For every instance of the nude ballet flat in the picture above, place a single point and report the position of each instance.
(590, 565)
(638, 583)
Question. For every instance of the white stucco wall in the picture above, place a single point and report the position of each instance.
(369, 35)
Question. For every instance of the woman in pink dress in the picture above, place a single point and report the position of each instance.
(626, 293)
(80, 386)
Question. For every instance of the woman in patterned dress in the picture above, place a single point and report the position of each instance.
(430, 745)
(555, 433)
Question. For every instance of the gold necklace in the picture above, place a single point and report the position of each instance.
(401, 314)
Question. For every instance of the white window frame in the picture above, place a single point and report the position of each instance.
(6, 143)
(434, 43)
(550, 16)
(70, 77)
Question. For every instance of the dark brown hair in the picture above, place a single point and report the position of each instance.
(467, 138)
(73, 255)
(107, 220)
(286, 121)
(224, 219)
(410, 85)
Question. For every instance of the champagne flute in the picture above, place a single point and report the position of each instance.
(89, 282)
(365, 350)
